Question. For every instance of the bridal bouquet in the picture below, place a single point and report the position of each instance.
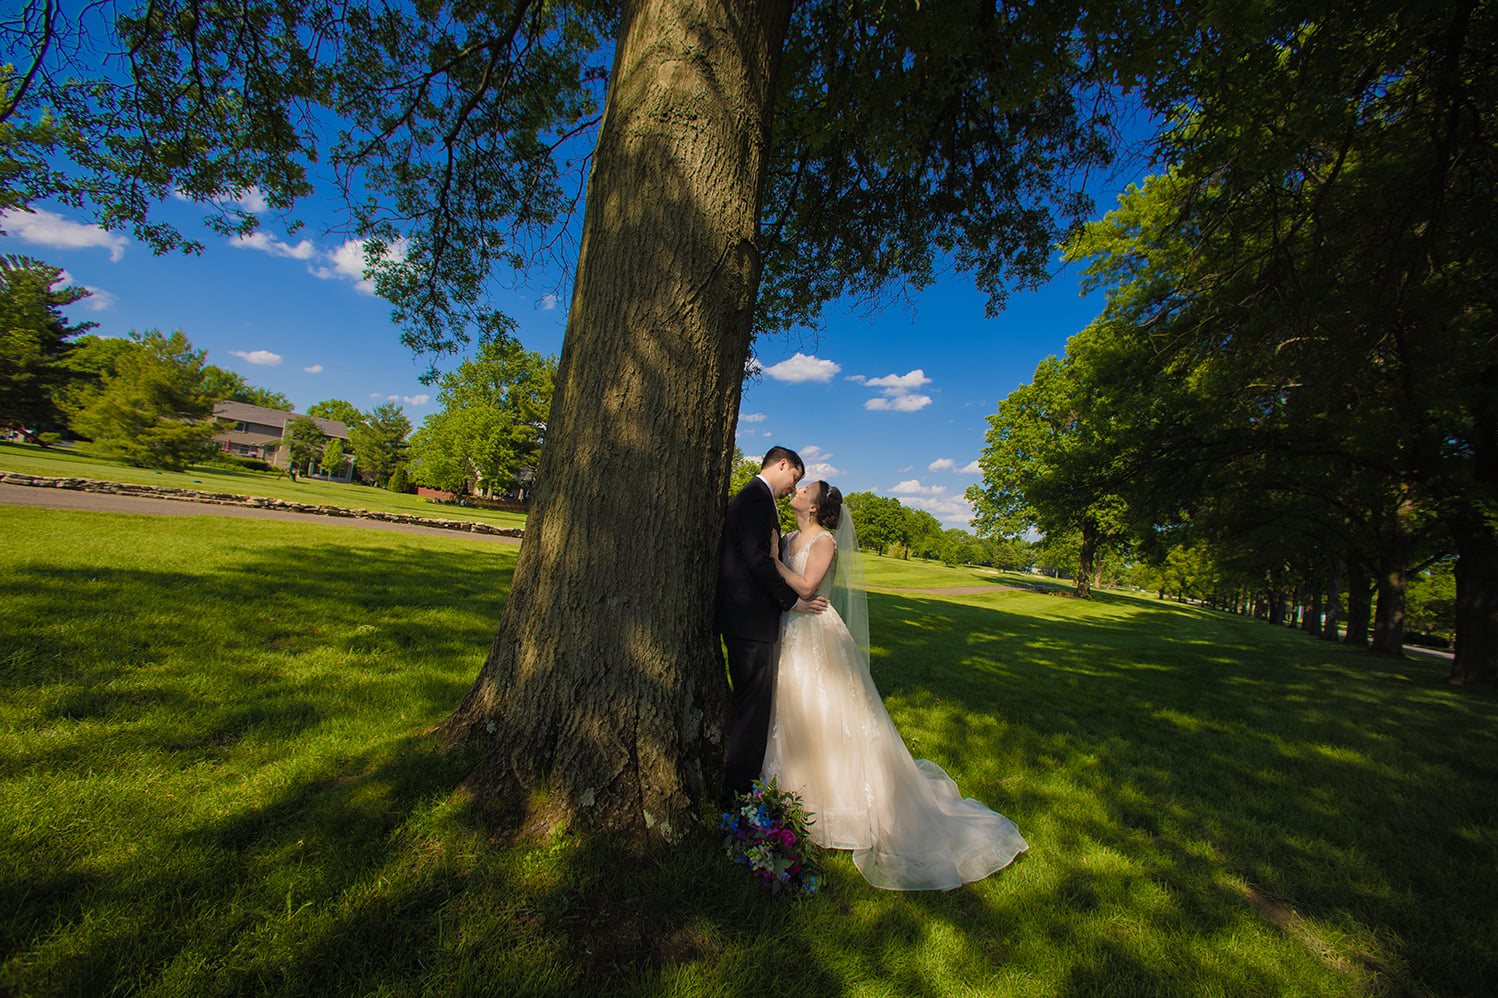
(766, 830)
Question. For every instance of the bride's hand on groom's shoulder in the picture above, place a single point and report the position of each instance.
(814, 605)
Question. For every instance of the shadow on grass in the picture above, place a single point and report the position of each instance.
(218, 784)
(182, 733)
(1237, 767)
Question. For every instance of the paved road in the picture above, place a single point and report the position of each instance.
(100, 502)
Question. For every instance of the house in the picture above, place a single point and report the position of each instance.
(255, 431)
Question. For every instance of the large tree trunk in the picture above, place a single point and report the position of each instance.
(1086, 559)
(1476, 659)
(1310, 621)
(603, 696)
(1333, 601)
(1476, 535)
(1393, 574)
(1359, 604)
(1276, 607)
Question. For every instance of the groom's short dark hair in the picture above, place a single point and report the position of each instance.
(782, 454)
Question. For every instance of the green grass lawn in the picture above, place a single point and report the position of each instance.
(60, 463)
(214, 780)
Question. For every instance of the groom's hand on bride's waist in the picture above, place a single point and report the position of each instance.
(815, 605)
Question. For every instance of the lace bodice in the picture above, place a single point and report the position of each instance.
(797, 562)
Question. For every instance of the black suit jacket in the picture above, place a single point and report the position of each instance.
(751, 594)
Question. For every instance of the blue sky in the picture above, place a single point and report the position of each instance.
(893, 402)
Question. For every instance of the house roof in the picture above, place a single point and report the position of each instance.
(246, 413)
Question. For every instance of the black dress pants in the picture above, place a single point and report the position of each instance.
(751, 667)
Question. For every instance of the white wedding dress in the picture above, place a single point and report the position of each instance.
(832, 741)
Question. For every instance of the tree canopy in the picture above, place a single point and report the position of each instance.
(36, 341)
(1294, 374)
(492, 422)
(379, 443)
(152, 410)
(345, 412)
(231, 386)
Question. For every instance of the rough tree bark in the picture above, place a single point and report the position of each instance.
(603, 694)
(1393, 575)
(1310, 621)
(1476, 658)
(1476, 535)
(1359, 604)
(1333, 601)
(1086, 558)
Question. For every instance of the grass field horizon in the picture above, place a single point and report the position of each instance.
(214, 779)
(56, 462)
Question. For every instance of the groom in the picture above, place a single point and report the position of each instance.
(751, 596)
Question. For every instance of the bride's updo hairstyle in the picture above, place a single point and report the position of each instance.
(829, 506)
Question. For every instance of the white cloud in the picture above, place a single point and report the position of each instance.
(971, 468)
(303, 250)
(941, 464)
(913, 487)
(416, 399)
(262, 357)
(251, 200)
(900, 383)
(548, 302)
(818, 463)
(952, 510)
(98, 299)
(377, 395)
(752, 417)
(768, 433)
(314, 369)
(858, 378)
(898, 403)
(800, 368)
(898, 392)
(347, 263)
(45, 228)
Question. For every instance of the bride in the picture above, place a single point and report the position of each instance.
(832, 741)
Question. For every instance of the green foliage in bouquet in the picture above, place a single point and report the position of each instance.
(767, 830)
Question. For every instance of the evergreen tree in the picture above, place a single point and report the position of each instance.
(380, 444)
(35, 344)
(302, 440)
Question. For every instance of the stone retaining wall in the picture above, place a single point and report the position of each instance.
(258, 502)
